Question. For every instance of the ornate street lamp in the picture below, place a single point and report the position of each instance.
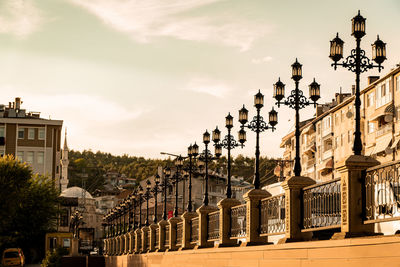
(228, 143)
(193, 152)
(358, 63)
(204, 158)
(140, 199)
(155, 191)
(164, 185)
(76, 220)
(296, 100)
(147, 196)
(178, 165)
(257, 125)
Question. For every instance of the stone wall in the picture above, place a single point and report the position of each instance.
(352, 252)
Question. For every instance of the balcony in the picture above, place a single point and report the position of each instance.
(383, 130)
(327, 154)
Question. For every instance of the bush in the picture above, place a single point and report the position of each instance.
(53, 258)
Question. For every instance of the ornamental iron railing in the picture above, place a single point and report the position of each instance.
(213, 225)
(382, 193)
(272, 219)
(166, 238)
(157, 241)
(238, 221)
(194, 229)
(179, 234)
(321, 205)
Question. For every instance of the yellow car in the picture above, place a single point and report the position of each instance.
(13, 257)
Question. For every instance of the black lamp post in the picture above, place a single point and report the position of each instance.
(296, 100)
(155, 191)
(206, 141)
(358, 63)
(193, 152)
(147, 196)
(140, 194)
(228, 143)
(178, 164)
(130, 213)
(257, 125)
(164, 185)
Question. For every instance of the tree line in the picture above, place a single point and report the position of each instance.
(88, 168)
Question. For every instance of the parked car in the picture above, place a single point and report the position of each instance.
(13, 257)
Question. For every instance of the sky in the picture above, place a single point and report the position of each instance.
(139, 77)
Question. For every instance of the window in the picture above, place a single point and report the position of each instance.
(336, 142)
(342, 140)
(383, 90)
(371, 127)
(349, 137)
(40, 157)
(31, 133)
(41, 134)
(336, 119)
(29, 157)
(342, 116)
(370, 99)
(2, 131)
(20, 155)
(397, 82)
(21, 133)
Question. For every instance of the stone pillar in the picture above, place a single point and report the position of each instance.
(172, 233)
(161, 237)
(126, 243)
(203, 212)
(74, 247)
(352, 172)
(138, 240)
(253, 198)
(225, 206)
(145, 237)
(186, 238)
(293, 206)
(131, 242)
(152, 237)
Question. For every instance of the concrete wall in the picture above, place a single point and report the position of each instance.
(372, 251)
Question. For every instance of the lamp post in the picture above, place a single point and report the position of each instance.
(206, 141)
(147, 196)
(76, 220)
(296, 100)
(358, 63)
(193, 152)
(178, 165)
(257, 125)
(228, 143)
(140, 194)
(164, 185)
(155, 191)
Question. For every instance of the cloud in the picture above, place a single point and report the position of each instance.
(146, 19)
(19, 17)
(208, 86)
(261, 60)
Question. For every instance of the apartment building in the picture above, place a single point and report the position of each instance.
(32, 139)
(328, 138)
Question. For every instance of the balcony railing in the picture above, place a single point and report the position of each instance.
(146, 238)
(238, 221)
(321, 205)
(213, 225)
(383, 130)
(272, 219)
(382, 193)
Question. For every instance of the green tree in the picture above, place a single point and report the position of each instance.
(28, 206)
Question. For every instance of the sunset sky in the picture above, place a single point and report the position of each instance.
(144, 76)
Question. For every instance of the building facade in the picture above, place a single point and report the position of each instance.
(32, 139)
(328, 138)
